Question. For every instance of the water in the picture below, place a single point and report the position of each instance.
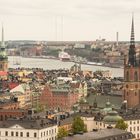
(57, 64)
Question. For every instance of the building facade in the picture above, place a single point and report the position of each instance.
(59, 97)
(28, 130)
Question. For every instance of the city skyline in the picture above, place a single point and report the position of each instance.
(68, 20)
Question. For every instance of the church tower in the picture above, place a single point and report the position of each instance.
(3, 55)
(132, 73)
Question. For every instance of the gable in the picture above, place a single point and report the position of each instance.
(17, 126)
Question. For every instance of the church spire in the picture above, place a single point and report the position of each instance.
(2, 38)
(132, 38)
(132, 53)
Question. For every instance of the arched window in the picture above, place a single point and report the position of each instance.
(136, 76)
(127, 76)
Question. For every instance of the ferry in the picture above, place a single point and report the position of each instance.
(64, 56)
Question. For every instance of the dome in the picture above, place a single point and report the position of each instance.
(108, 104)
(112, 117)
(106, 110)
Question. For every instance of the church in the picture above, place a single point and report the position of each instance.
(3, 59)
(132, 73)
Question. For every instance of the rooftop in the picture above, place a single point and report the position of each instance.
(27, 123)
(104, 134)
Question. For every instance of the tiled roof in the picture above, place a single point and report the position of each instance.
(3, 73)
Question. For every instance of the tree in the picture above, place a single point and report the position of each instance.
(62, 132)
(78, 125)
(39, 108)
(121, 125)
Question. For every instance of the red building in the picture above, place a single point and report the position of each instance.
(8, 113)
(59, 97)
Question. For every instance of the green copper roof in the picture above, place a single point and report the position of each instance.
(3, 55)
(112, 117)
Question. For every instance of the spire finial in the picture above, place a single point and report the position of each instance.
(2, 37)
(132, 52)
(132, 38)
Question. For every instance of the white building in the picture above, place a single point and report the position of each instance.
(132, 118)
(28, 129)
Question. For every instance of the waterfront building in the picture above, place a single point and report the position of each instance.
(132, 74)
(3, 58)
(28, 129)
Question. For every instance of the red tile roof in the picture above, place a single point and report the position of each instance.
(3, 73)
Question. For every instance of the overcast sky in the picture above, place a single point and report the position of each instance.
(69, 19)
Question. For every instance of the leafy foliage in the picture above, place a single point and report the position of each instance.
(121, 125)
(62, 132)
(78, 125)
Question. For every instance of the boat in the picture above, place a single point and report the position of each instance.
(94, 63)
(64, 56)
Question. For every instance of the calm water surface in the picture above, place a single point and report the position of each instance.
(57, 64)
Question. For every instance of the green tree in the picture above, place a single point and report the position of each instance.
(121, 125)
(78, 125)
(39, 108)
(62, 132)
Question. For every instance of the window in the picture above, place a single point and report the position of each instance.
(137, 121)
(21, 134)
(135, 93)
(130, 129)
(135, 76)
(130, 122)
(137, 128)
(127, 76)
(35, 135)
(134, 128)
(6, 133)
(27, 134)
(12, 133)
(138, 135)
(17, 134)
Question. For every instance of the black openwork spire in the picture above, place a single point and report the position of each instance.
(132, 53)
